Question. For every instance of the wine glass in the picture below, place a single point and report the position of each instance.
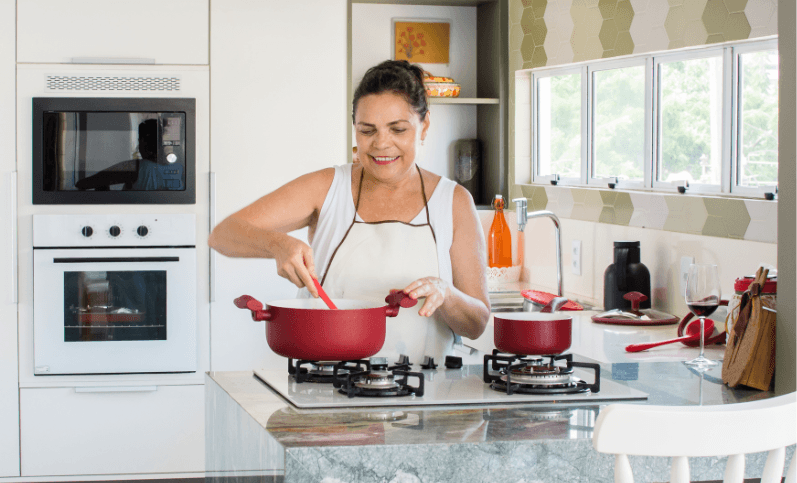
(702, 298)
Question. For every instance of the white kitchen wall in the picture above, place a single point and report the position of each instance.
(372, 26)
(275, 115)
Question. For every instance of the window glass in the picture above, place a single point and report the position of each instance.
(559, 125)
(758, 119)
(690, 126)
(619, 123)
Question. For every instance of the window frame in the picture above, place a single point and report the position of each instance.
(555, 178)
(729, 53)
(736, 118)
(614, 65)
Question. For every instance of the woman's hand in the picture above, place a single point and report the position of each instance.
(434, 289)
(295, 262)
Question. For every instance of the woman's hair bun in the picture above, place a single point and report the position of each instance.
(398, 76)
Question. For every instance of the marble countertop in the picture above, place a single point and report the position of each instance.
(434, 434)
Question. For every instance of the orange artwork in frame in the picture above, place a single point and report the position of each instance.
(422, 42)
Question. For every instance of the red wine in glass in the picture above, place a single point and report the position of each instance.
(703, 309)
(702, 297)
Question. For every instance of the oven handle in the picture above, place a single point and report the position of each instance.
(14, 260)
(116, 259)
(117, 389)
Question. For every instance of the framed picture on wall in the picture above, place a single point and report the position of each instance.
(421, 41)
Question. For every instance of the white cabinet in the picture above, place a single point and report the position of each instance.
(9, 401)
(168, 31)
(278, 110)
(112, 430)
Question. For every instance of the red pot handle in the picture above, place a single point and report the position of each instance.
(717, 339)
(396, 300)
(250, 303)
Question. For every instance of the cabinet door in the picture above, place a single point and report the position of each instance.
(278, 110)
(9, 388)
(168, 31)
(126, 431)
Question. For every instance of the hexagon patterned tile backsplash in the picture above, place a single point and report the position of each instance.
(556, 32)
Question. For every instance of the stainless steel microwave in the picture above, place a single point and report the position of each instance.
(97, 150)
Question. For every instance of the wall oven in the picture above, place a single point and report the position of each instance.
(98, 150)
(114, 294)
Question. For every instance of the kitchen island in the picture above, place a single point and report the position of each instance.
(253, 432)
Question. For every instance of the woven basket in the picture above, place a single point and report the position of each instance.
(503, 274)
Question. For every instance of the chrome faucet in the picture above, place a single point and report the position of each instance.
(523, 216)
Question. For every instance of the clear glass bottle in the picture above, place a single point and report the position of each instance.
(499, 244)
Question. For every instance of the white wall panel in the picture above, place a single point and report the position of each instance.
(9, 389)
(278, 110)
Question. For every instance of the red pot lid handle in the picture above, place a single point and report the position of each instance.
(635, 298)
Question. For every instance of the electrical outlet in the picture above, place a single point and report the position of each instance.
(575, 257)
(685, 262)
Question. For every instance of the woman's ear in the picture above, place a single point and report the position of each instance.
(425, 124)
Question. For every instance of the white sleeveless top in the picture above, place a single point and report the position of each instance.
(338, 211)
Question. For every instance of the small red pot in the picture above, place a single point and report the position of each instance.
(306, 329)
(532, 333)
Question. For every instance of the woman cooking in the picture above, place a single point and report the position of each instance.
(380, 224)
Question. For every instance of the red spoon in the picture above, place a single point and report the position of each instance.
(326, 298)
(692, 331)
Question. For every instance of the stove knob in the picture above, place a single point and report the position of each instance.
(87, 231)
(453, 362)
(115, 231)
(142, 231)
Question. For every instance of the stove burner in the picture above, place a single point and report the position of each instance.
(532, 375)
(378, 380)
(322, 371)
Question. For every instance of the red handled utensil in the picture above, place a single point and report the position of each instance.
(693, 333)
(324, 295)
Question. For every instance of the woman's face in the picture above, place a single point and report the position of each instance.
(389, 133)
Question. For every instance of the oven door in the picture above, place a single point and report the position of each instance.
(114, 311)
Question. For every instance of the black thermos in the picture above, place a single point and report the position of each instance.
(626, 274)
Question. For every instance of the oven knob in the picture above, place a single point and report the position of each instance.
(142, 231)
(115, 231)
(87, 231)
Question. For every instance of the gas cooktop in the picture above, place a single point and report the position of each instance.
(376, 386)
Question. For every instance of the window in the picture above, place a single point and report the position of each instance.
(559, 125)
(706, 118)
(690, 122)
(619, 123)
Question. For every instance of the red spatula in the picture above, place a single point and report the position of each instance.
(324, 295)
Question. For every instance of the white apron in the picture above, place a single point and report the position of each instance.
(374, 258)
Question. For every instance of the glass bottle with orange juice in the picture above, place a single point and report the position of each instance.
(499, 243)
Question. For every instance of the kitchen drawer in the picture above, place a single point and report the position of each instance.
(169, 31)
(158, 430)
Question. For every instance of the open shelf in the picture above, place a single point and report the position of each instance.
(463, 100)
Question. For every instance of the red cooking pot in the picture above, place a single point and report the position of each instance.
(306, 329)
(532, 333)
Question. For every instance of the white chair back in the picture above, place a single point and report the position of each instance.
(691, 431)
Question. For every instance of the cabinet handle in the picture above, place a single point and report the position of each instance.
(14, 261)
(112, 60)
(212, 225)
(117, 389)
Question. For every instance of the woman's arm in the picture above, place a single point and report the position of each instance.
(465, 305)
(260, 230)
